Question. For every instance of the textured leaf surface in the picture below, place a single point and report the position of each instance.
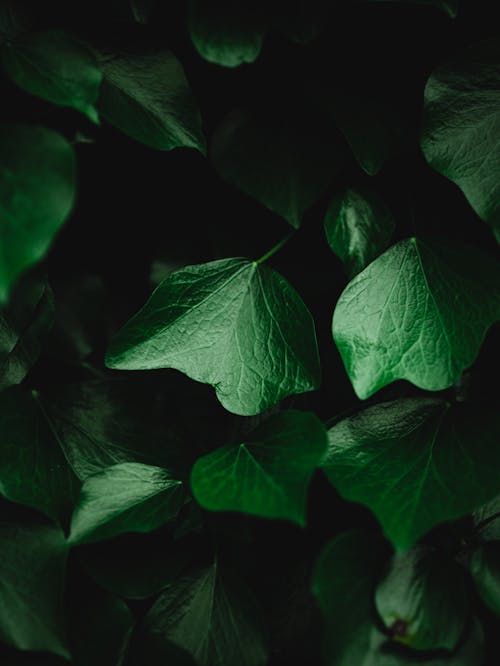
(416, 462)
(147, 97)
(32, 570)
(485, 569)
(232, 323)
(56, 67)
(422, 599)
(212, 616)
(268, 475)
(461, 126)
(37, 189)
(419, 312)
(358, 227)
(128, 497)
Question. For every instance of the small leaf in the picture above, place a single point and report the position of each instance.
(147, 97)
(358, 227)
(37, 190)
(416, 462)
(422, 599)
(56, 67)
(32, 571)
(419, 312)
(460, 127)
(267, 475)
(286, 162)
(232, 323)
(128, 497)
(485, 569)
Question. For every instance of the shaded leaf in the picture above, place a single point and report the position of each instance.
(141, 9)
(485, 569)
(448, 6)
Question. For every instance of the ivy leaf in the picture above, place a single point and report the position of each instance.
(33, 469)
(485, 570)
(267, 475)
(448, 6)
(226, 33)
(32, 571)
(415, 462)
(147, 97)
(358, 227)
(286, 162)
(37, 190)
(24, 323)
(422, 599)
(128, 497)
(196, 612)
(232, 323)
(57, 67)
(461, 120)
(419, 312)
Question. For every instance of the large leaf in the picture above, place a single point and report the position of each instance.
(422, 599)
(419, 312)
(461, 126)
(32, 570)
(232, 323)
(147, 96)
(267, 475)
(416, 462)
(286, 162)
(24, 325)
(56, 67)
(485, 569)
(358, 227)
(37, 189)
(128, 497)
(211, 615)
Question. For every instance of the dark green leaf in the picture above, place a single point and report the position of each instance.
(232, 323)
(485, 569)
(419, 312)
(358, 227)
(56, 67)
(141, 9)
(128, 497)
(487, 520)
(416, 462)
(422, 599)
(448, 6)
(147, 96)
(268, 475)
(15, 17)
(37, 189)
(32, 570)
(461, 125)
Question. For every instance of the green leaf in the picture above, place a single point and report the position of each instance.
(422, 599)
(286, 162)
(128, 497)
(232, 323)
(32, 571)
(33, 469)
(485, 570)
(57, 67)
(147, 97)
(460, 127)
(24, 324)
(419, 312)
(212, 615)
(358, 227)
(448, 6)
(416, 462)
(226, 33)
(487, 520)
(268, 475)
(37, 190)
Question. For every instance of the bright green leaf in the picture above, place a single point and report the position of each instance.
(268, 475)
(419, 312)
(461, 125)
(37, 190)
(422, 599)
(32, 571)
(485, 569)
(232, 323)
(358, 227)
(56, 67)
(147, 96)
(416, 462)
(128, 497)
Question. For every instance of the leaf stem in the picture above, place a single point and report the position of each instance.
(275, 249)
